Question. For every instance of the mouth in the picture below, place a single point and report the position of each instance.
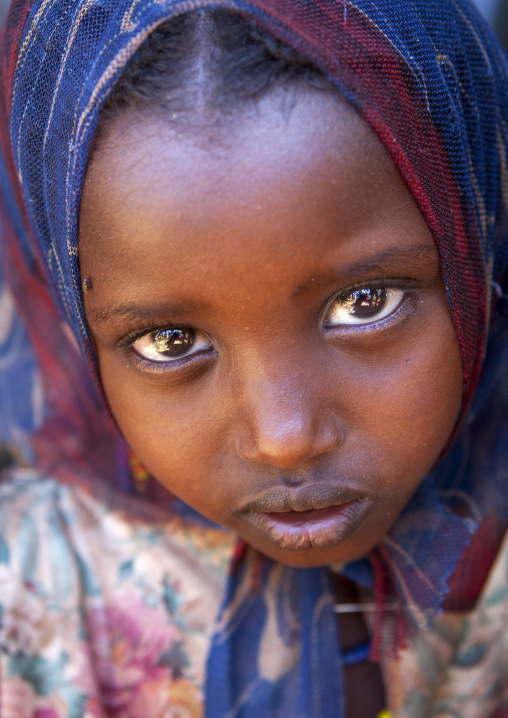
(311, 518)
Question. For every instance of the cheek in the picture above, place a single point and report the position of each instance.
(176, 434)
(408, 408)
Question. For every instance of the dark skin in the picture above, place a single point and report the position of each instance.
(271, 323)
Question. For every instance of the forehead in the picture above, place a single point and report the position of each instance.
(274, 181)
(282, 137)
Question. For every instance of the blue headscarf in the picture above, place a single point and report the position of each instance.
(432, 81)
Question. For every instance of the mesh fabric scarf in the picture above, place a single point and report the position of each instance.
(431, 80)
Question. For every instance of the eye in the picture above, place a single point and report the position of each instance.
(364, 306)
(166, 345)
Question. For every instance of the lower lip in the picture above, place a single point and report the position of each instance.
(316, 529)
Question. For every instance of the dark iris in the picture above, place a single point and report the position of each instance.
(365, 303)
(174, 342)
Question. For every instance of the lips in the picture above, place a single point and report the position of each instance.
(307, 518)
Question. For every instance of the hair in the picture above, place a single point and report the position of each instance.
(208, 62)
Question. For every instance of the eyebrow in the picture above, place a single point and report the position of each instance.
(382, 262)
(419, 251)
(136, 312)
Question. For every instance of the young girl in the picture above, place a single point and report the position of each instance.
(254, 346)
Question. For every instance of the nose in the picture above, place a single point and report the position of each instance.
(285, 427)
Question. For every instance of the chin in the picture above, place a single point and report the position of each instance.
(313, 558)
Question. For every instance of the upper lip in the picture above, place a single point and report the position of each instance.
(303, 498)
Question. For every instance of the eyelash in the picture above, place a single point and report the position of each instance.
(405, 286)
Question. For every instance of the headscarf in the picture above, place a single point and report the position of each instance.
(432, 81)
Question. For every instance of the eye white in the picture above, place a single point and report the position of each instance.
(364, 306)
(167, 345)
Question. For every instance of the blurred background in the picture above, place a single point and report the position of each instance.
(496, 12)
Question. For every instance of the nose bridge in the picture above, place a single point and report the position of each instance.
(286, 418)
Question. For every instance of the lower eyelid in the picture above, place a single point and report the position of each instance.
(187, 362)
(170, 362)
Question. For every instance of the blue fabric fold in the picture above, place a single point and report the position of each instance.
(272, 610)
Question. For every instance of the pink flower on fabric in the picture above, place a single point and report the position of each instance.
(17, 698)
(128, 641)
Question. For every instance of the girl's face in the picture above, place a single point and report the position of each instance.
(270, 321)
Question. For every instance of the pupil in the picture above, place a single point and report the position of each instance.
(365, 303)
(174, 342)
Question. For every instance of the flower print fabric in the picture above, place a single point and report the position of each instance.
(101, 616)
(459, 666)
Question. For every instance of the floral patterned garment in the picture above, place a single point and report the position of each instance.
(458, 668)
(105, 617)
(102, 616)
